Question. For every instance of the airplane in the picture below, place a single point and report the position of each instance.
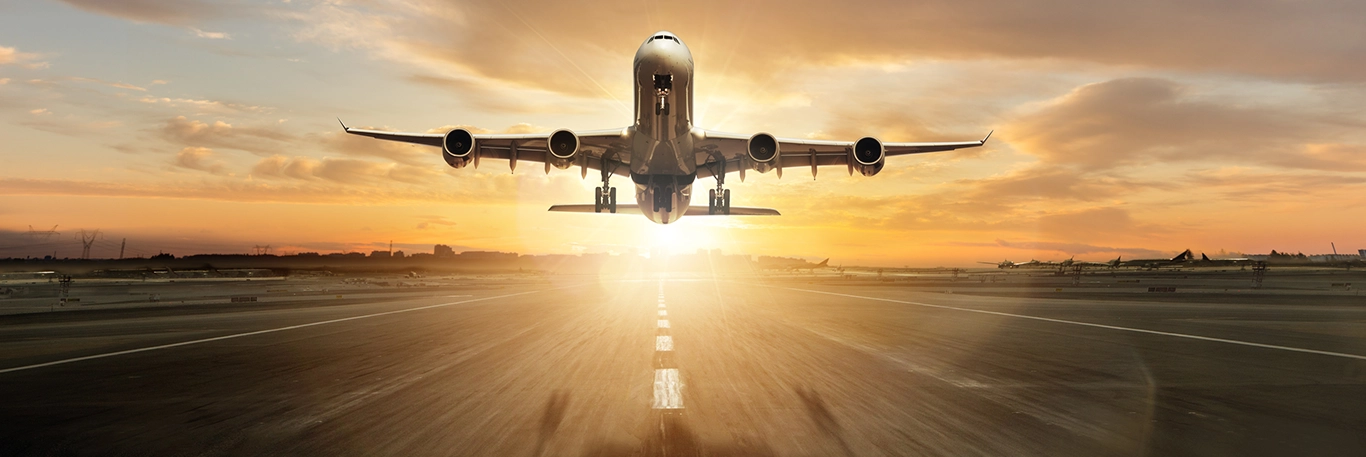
(790, 264)
(1153, 264)
(1004, 264)
(662, 152)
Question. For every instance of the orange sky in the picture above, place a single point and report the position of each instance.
(1121, 129)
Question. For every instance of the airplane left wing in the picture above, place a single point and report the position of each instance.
(721, 152)
(598, 149)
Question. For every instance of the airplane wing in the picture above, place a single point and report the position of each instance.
(598, 149)
(721, 152)
(692, 211)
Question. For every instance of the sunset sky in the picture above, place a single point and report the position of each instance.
(1134, 129)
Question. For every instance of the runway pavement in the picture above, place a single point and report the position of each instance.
(688, 367)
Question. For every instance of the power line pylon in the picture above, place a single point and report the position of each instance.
(87, 239)
(45, 234)
(122, 245)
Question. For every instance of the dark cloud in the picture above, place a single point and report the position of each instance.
(169, 12)
(544, 44)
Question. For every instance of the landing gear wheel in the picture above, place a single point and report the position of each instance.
(711, 201)
(597, 200)
(725, 200)
(612, 199)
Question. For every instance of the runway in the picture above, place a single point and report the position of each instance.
(681, 366)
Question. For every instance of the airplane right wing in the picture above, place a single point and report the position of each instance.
(598, 149)
(692, 211)
(721, 152)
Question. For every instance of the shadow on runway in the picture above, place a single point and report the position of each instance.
(825, 421)
(550, 421)
(669, 435)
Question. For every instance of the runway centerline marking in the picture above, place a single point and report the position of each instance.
(668, 395)
(258, 332)
(663, 313)
(664, 343)
(663, 323)
(1088, 324)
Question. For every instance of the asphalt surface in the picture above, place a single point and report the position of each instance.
(782, 368)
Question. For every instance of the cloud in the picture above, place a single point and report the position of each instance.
(1069, 249)
(344, 171)
(210, 35)
(218, 134)
(177, 12)
(39, 111)
(1142, 121)
(195, 158)
(208, 106)
(11, 56)
(430, 221)
(4, 81)
(117, 85)
(525, 42)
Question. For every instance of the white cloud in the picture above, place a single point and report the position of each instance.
(211, 35)
(11, 56)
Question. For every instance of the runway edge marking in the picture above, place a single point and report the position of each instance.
(258, 332)
(1088, 324)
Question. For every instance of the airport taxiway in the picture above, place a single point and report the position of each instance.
(688, 367)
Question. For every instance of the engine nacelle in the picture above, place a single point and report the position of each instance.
(563, 146)
(763, 151)
(458, 148)
(869, 156)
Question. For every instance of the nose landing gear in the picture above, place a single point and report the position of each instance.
(605, 197)
(663, 85)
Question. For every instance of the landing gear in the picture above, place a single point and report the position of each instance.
(664, 200)
(663, 85)
(605, 197)
(718, 199)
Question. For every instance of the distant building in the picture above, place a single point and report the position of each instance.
(1361, 252)
(379, 254)
(488, 255)
(443, 251)
(398, 254)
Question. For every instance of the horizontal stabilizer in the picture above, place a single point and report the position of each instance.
(692, 211)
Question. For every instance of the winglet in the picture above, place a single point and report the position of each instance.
(343, 124)
(984, 140)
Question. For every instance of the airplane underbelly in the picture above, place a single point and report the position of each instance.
(664, 199)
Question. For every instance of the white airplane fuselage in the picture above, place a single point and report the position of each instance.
(663, 162)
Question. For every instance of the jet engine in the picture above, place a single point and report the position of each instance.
(563, 146)
(763, 151)
(869, 156)
(458, 147)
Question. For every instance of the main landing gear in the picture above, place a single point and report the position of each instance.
(718, 199)
(605, 197)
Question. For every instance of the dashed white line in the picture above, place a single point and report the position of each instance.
(663, 323)
(663, 313)
(668, 392)
(1108, 327)
(258, 332)
(664, 343)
